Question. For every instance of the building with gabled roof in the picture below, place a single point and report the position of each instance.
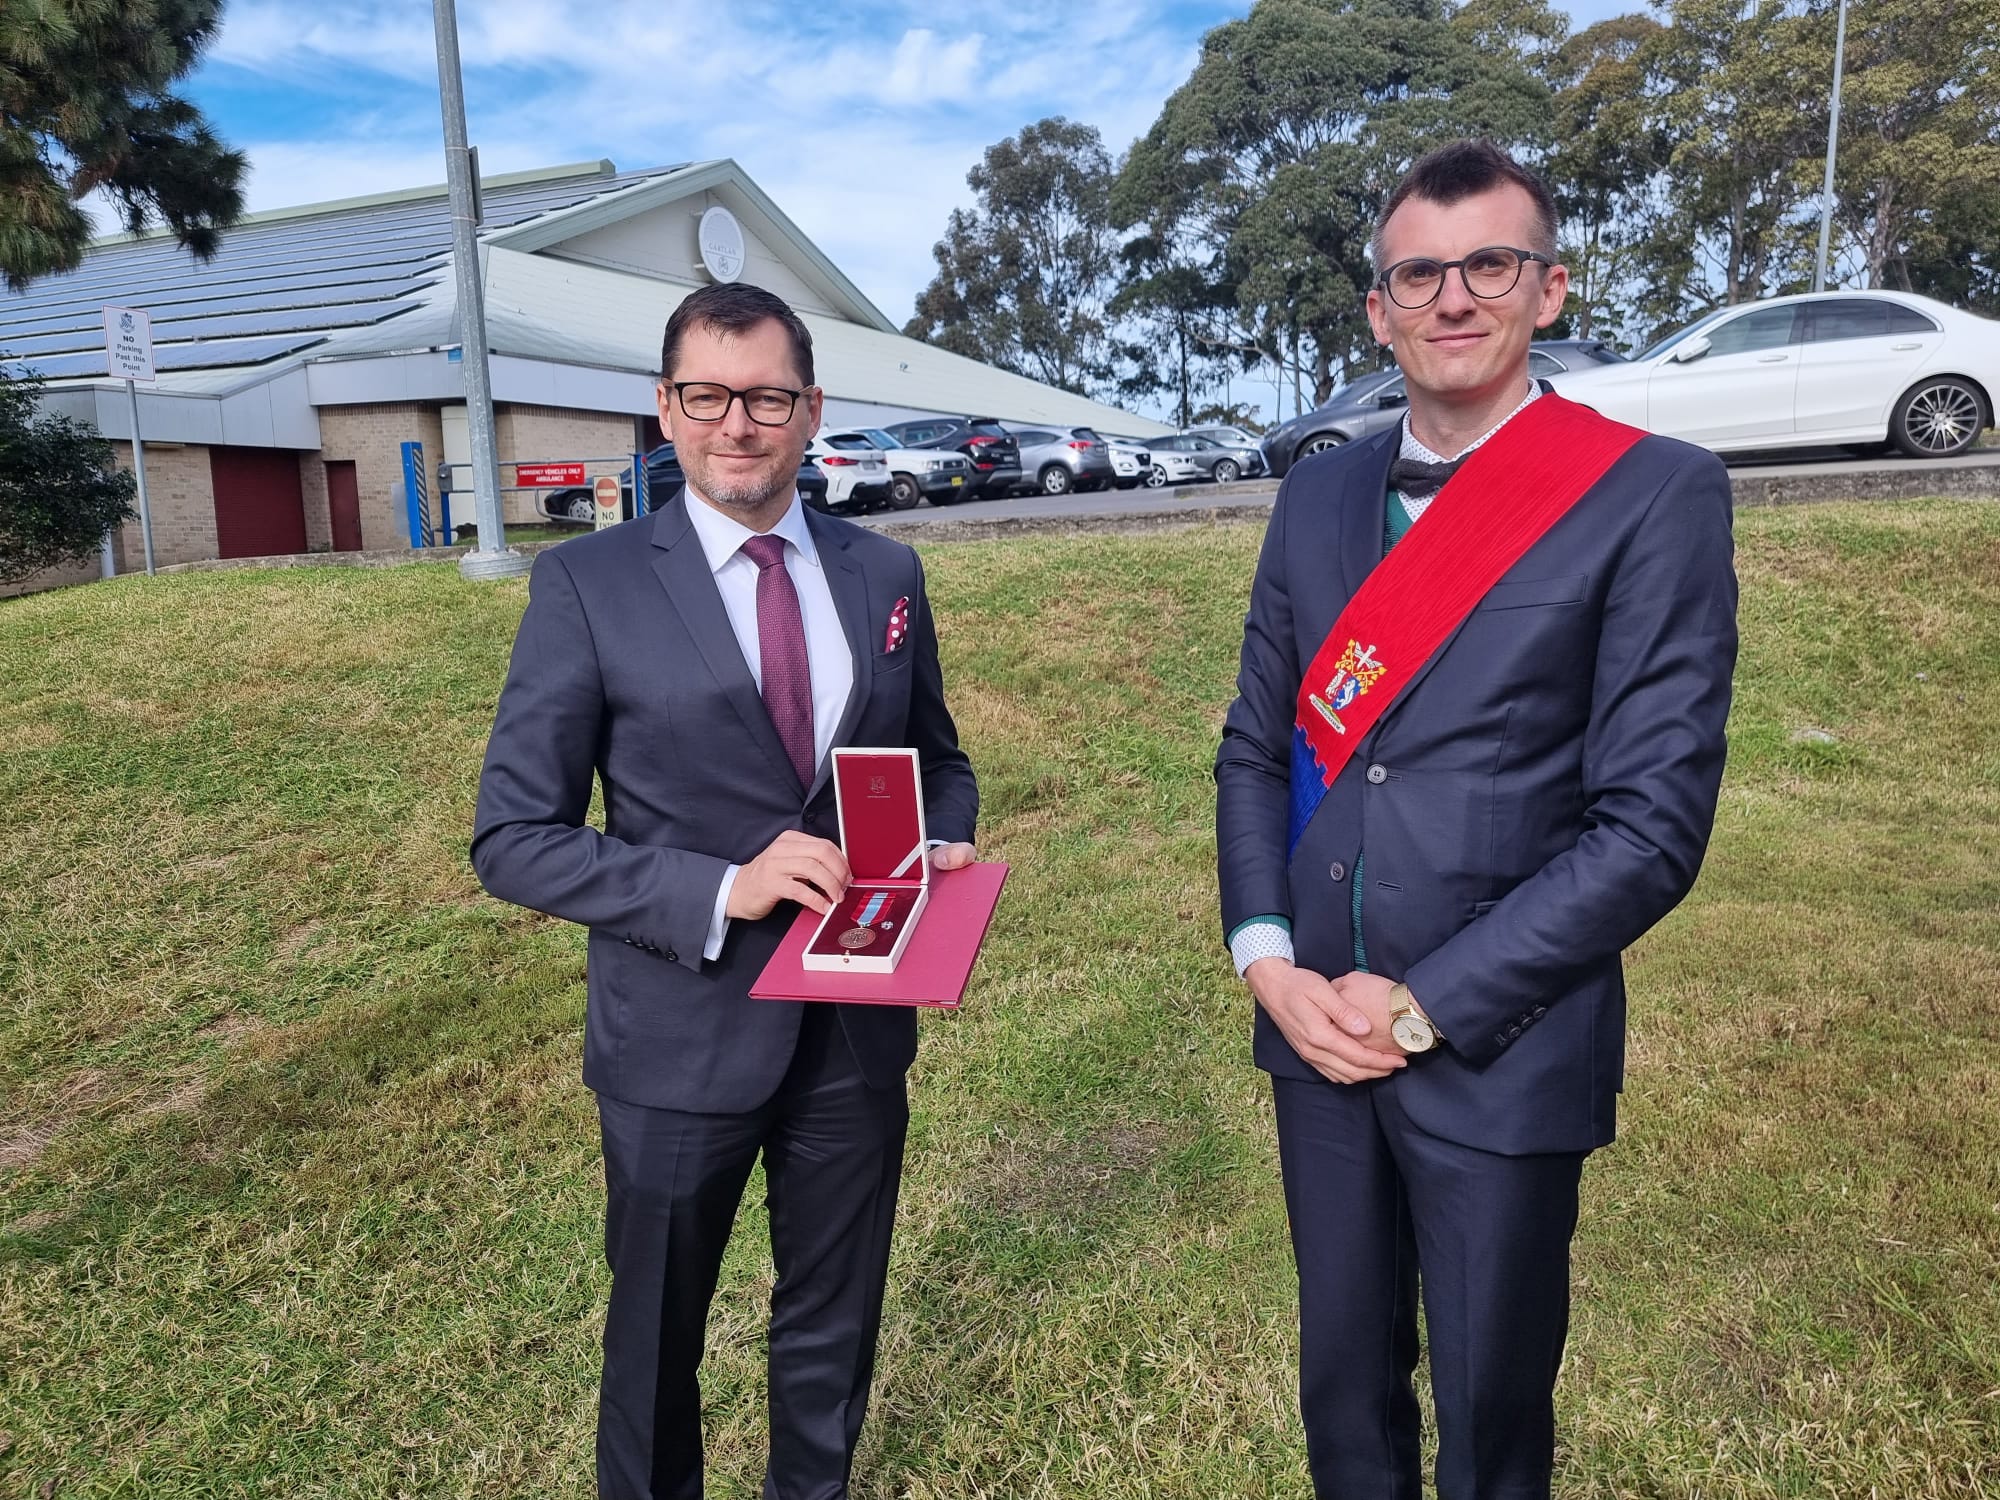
(293, 366)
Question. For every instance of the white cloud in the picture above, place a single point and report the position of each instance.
(860, 119)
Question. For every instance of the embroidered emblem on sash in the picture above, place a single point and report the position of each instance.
(1353, 674)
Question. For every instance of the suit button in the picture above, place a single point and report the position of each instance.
(1378, 773)
(673, 957)
(1512, 1032)
(1336, 871)
(1500, 1037)
(1539, 1011)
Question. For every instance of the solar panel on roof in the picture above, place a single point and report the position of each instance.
(273, 287)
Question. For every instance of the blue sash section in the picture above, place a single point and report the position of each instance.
(1308, 788)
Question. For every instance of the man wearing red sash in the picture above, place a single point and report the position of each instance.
(1474, 755)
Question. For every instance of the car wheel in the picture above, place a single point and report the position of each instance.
(1156, 478)
(1227, 471)
(1938, 418)
(583, 508)
(903, 493)
(1056, 480)
(1319, 442)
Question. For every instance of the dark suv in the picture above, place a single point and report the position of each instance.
(1370, 403)
(663, 480)
(996, 457)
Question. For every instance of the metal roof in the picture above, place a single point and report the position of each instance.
(282, 282)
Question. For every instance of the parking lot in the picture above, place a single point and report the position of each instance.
(1758, 479)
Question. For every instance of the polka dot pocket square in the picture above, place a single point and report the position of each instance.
(899, 626)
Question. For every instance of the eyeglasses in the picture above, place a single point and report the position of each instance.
(1488, 273)
(766, 405)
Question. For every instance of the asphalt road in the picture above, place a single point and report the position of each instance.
(1754, 474)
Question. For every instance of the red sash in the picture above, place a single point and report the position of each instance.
(1503, 499)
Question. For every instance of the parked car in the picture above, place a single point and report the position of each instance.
(1131, 462)
(1171, 465)
(1247, 451)
(995, 456)
(663, 478)
(913, 472)
(857, 482)
(1820, 369)
(1229, 437)
(1056, 461)
(1181, 459)
(1376, 401)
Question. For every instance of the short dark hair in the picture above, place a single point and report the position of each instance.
(1459, 171)
(734, 307)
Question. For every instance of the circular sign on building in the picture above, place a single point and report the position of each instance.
(721, 240)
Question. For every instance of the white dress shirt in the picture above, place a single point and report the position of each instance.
(828, 656)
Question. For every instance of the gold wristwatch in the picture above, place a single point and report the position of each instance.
(1412, 1029)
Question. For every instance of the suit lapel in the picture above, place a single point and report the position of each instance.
(849, 586)
(1365, 515)
(682, 568)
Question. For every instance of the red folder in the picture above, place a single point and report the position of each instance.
(934, 968)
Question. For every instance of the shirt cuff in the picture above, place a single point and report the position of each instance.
(718, 920)
(1260, 937)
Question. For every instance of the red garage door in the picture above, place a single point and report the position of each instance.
(259, 508)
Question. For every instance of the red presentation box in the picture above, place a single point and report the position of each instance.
(879, 796)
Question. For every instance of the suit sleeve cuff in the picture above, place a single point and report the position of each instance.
(718, 920)
(1260, 937)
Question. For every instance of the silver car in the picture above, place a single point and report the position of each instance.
(1246, 451)
(1056, 461)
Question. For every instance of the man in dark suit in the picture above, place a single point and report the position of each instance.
(1433, 935)
(700, 663)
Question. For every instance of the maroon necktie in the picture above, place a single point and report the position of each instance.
(781, 650)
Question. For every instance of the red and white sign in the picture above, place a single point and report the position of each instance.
(606, 491)
(547, 476)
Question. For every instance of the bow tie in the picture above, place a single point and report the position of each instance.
(1418, 480)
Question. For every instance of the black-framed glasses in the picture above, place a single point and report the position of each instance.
(1487, 273)
(705, 401)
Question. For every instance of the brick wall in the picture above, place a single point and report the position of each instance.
(180, 493)
(373, 437)
(552, 432)
(312, 491)
(52, 578)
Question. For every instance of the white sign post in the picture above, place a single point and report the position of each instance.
(128, 352)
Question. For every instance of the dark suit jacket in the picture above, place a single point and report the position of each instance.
(626, 670)
(1545, 792)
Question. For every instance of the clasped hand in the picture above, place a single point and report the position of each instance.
(1339, 1026)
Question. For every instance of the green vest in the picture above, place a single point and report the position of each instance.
(1396, 523)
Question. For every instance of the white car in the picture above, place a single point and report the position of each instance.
(854, 481)
(1817, 370)
(1131, 462)
(945, 475)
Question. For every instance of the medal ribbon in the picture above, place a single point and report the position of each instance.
(1504, 498)
(873, 909)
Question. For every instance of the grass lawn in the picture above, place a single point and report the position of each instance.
(299, 1193)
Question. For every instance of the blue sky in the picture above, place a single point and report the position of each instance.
(860, 117)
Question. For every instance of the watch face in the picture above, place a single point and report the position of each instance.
(1412, 1034)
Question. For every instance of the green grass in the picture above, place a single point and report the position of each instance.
(298, 1187)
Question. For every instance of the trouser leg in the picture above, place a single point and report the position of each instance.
(672, 1185)
(833, 1164)
(1493, 1237)
(1357, 1267)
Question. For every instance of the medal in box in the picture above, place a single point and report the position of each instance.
(879, 796)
